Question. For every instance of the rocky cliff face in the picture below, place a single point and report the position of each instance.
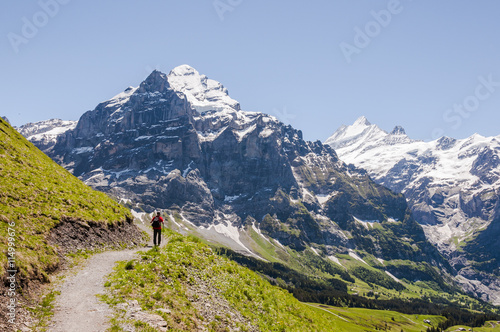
(180, 144)
(452, 187)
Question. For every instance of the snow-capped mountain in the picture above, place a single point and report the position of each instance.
(44, 133)
(362, 133)
(180, 144)
(203, 94)
(452, 187)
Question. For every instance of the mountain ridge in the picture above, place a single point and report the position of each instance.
(451, 185)
(44, 133)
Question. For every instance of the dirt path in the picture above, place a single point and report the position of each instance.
(332, 313)
(77, 308)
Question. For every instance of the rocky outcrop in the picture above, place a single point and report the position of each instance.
(71, 235)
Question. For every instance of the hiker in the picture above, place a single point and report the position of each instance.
(156, 223)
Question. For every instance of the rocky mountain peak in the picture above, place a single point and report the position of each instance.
(203, 93)
(445, 143)
(359, 132)
(184, 70)
(362, 121)
(155, 82)
(398, 130)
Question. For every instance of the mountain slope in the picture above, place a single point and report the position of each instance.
(178, 143)
(452, 187)
(41, 205)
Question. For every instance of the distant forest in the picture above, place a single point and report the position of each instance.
(334, 292)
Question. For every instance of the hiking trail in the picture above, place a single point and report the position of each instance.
(78, 308)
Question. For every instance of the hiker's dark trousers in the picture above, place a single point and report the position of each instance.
(156, 232)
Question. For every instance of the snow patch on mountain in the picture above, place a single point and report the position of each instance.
(203, 93)
(84, 149)
(242, 133)
(230, 232)
(46, 132)
(368, 224)
(122, 97)
(356, 257)
(315, 251)
(392, 276)
(335, 260)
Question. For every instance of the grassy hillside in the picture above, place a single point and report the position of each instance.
(187, 286)
(35, 194)
(178, 281)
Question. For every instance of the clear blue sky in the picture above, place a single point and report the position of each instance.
(423, 67)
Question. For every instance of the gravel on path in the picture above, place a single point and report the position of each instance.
(78, 308)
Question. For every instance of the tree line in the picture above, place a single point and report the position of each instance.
(332, 291)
